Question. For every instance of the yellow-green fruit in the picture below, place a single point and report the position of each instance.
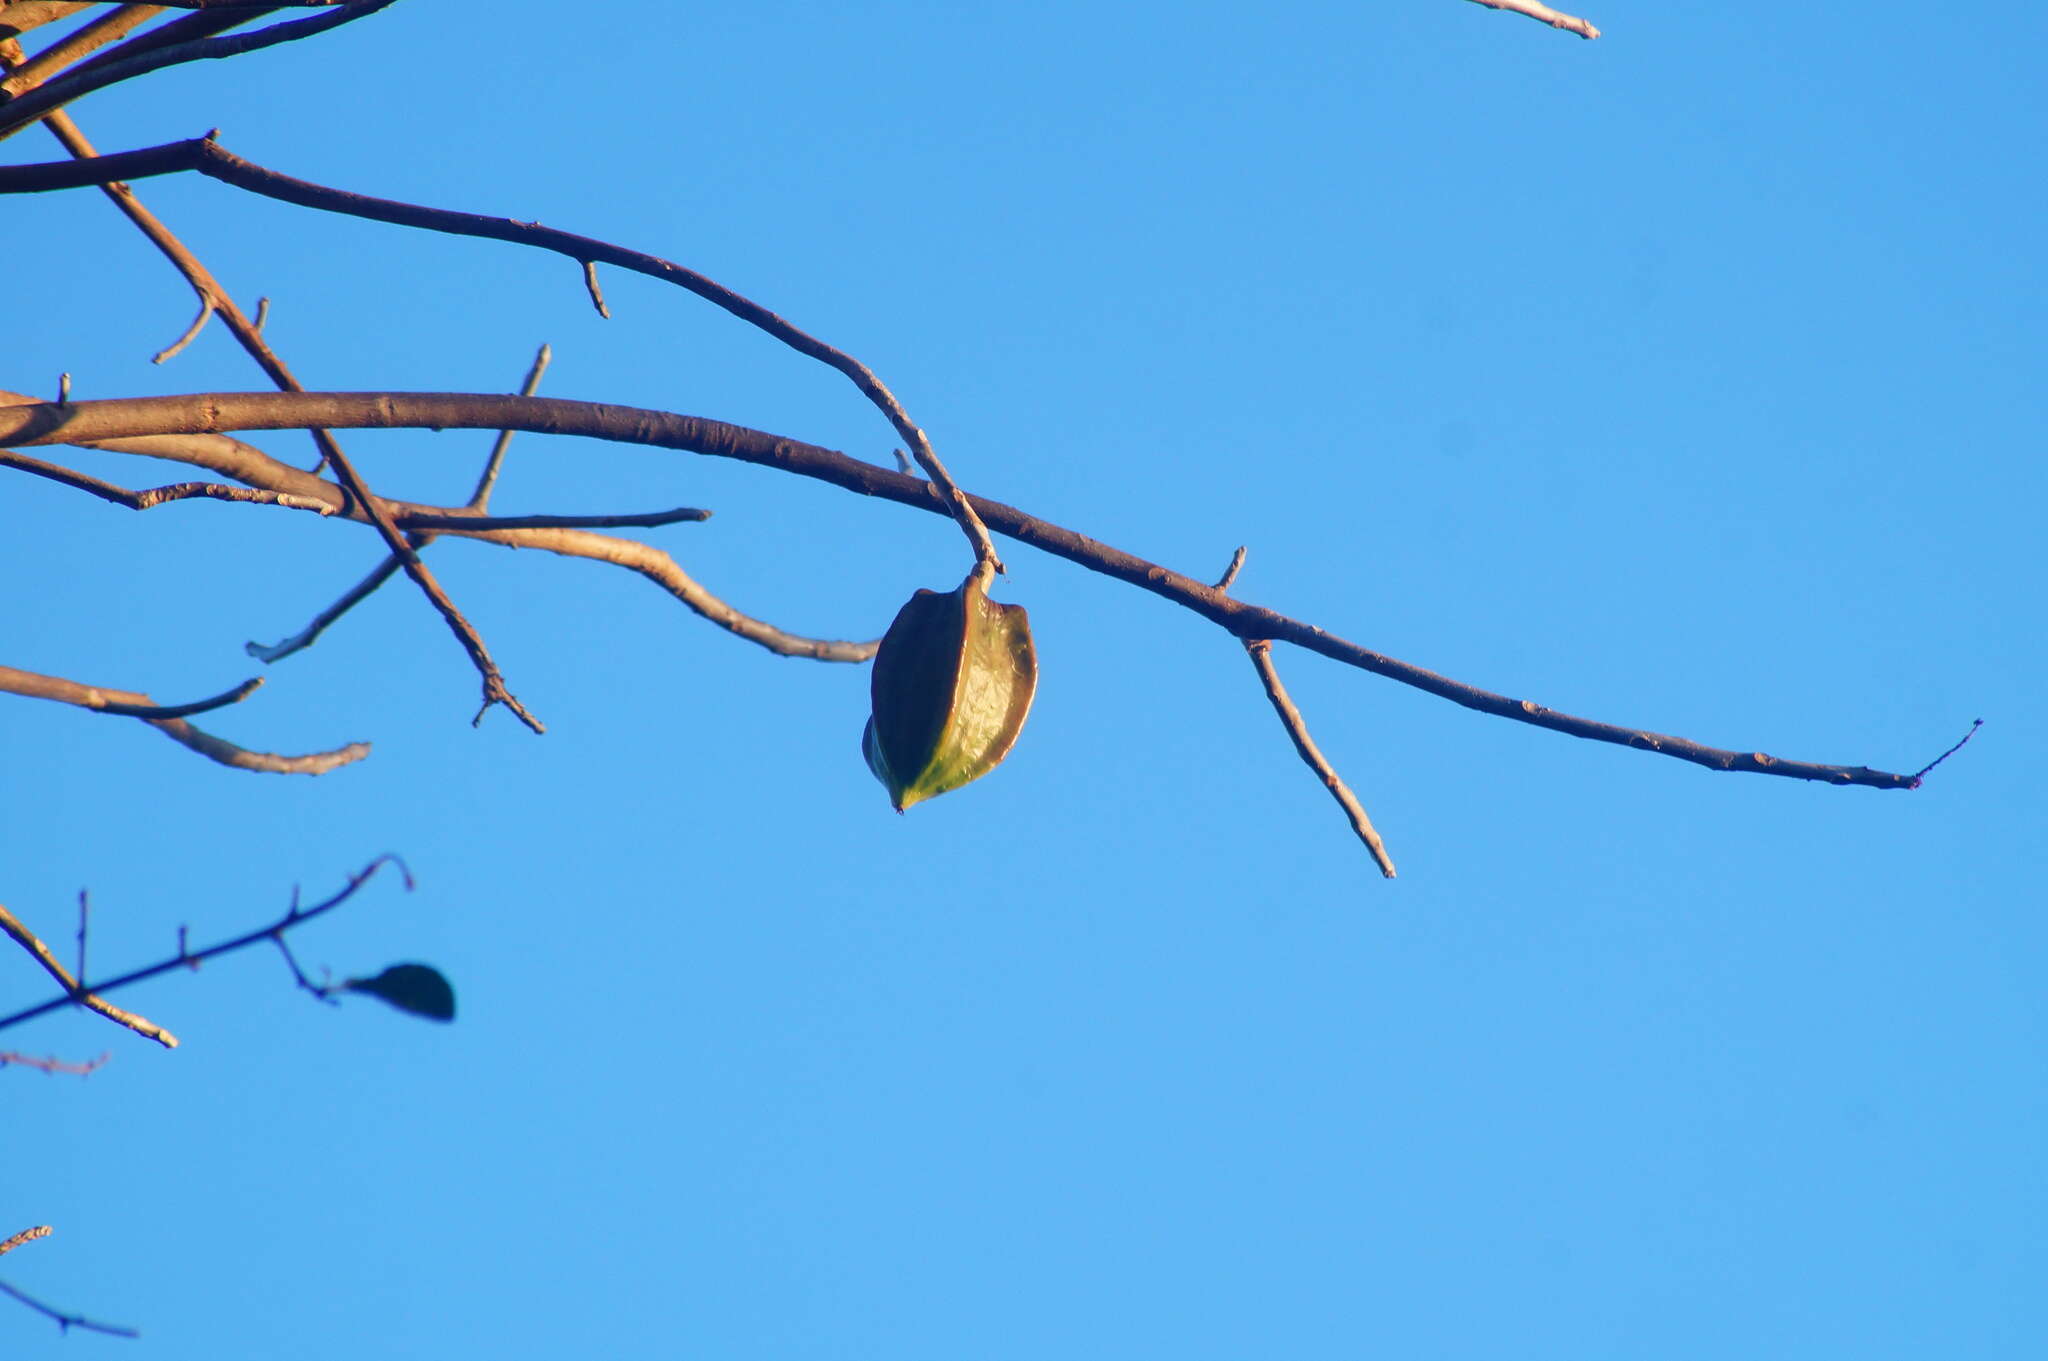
(952, 682)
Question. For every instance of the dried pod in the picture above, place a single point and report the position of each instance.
(952, 682)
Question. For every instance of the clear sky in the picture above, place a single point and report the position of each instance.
(1688, 379)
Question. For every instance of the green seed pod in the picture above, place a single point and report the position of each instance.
(952, 682)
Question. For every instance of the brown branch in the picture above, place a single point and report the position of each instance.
(29, 1235)
(76, 990)
(1261, 653)
(156, 496)
(20, 16)
(128, 702)
(83, 80)
(1544, 14)
(94, 422)
(125, 703)
(213, 297)
(487, 480)
(246, 463)
(76, 46)
(208, 158)
(295, 916)
(51, 1064)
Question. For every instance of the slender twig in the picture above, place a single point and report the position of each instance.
(152, 497)
(75, 989)
(102, 699)
(1223, 582)
(307, 636)
(295, 916)
(246, 463)
(84, 909)
(51, 1064)
(122, 702)
(1544, 14)
(487, 481)
(213, 296)
(191, 334)
(1261, 652)
(596, 293)
(1950, 752)
(652, 519)
(66, 1322)
(29, 1235)
(98, 423)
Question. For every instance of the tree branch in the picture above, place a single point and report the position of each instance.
(75, 990)
(1261, 653)
(172, 725)
(1544, 14)
(294, 916)
(88, 422)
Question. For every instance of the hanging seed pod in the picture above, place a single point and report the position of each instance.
(952, 682)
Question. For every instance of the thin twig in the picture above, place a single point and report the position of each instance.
(1261, 652)
(170, 351)
(66, 1322)
(1920, 773)
(596, 293)
(294, 917)
(652, 519)
(307, 636)
(151, 497)
(480, 499)
(99, 423)
(29, 1235)
(1223, 583)
(100, 699)
(125, 703)
(76, 46)
(75, 989)
(1544, 14)
(52, 1064)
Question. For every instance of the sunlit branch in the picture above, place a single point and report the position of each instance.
(100, 699)
(86, 422)
(1544, 14)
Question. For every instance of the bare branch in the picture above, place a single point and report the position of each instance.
(66, 1322)
(1950, 752)
(1261, 653)
(157, 496)
(90, 422)
(20, 16)
(596, 293)
(108, 27)
(75, 990)
(30, 1235)
(294, 916)
(653, 519)
(1544, 14)
(307, 636)
(208, 158)
(32, 105)
(132, 703)
(487, 481)
(215, 298)
(1223, 583)
(51, 1064)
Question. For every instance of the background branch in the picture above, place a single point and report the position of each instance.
(1544, 14)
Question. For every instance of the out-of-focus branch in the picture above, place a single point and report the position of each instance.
(168, 722)
(29, 1235)
(1544, 14)
(20, 16)
(66, 1322)
(97, 423)
(294, 916)
(28, 107)
(75, 990)
(51, 1064)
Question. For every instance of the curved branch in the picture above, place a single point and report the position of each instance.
(169, 722)
(1544, 14)
(49, 423)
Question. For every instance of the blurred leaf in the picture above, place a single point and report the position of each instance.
(416, 988)
(952, 683)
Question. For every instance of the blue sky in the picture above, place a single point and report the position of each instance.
(1687, 379)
